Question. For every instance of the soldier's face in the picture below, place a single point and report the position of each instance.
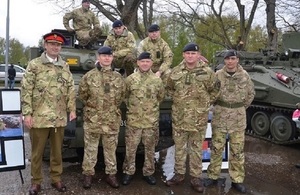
(154, 35)
(52, 49)
(119, 30)
(86, 5)
(191, 57)
(231, 63)
(144, 64)
(105, 59)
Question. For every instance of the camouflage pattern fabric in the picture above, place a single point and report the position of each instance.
(161, 54)
(91, 144)
(47, 92)
(236, 155)
(189, 143)
(133, 136)
(123, 47)
(101, 91)
(232, 121)
(193, 91)
(85, 24)
(144, 92)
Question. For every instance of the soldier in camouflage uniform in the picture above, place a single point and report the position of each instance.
(236, 95)
(123, 44)
(144, 93)
(193, 87)
(161, 54)
(47, 94)
(102, 91)
(85, 24)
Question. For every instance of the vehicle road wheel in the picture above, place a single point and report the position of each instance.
(260, 123)
(282, 129)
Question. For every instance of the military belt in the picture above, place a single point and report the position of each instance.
(230, 105)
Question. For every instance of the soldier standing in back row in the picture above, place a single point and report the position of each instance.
(236, 94)
(161, 54)
(123, 44)
(144, 93)
(85, 25)
(193, 87)
(102, 91)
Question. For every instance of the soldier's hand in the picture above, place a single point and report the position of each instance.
(70, 30)
(72, 116)
(28, 121)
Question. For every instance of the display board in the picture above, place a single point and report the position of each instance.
(206, 151)
(12, 150)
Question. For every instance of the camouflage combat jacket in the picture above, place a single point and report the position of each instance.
(102, 91)
(47, 92)
(121, 45)
(161, 54)
(83, 20)
(144, 92)
(193, 91)
(235, 89)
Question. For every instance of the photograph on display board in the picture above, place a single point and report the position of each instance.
(11, 126)
(206, 149)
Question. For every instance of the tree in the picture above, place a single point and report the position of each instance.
(271, 26)
(219, 18)
(288, 14)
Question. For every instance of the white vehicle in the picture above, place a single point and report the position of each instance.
(19, 72)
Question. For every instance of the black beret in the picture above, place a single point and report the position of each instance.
(117, 23)
(105, 50)
(55, 37)
(144, 55)
(84, 1)
(230, 53)
(191, 47)
(153, 28)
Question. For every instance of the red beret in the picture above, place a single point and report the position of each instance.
(54, 37)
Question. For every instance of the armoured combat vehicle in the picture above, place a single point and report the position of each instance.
(80, 61)
(277, 87)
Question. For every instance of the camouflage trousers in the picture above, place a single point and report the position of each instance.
(236, 155)
(85, 37)
(133, 136)
(189, 143)
(128, 63)
(91, 144)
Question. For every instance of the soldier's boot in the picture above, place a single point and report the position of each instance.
(297, 166)
(127, 179)
(112, 181)
(208, 182)
(239, 187)
(87, 181)
(197, 184)
(176, 179)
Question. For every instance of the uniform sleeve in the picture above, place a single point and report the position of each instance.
(130, 45)
(169, 86)
(167, 58)
(250, 92)
(122, 95)
(67, 17)
(71, 94)
(161, 92)
(83, 89)
(27, 86)
(213, 86)
(96, 22)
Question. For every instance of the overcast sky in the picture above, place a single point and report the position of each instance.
(29, 20)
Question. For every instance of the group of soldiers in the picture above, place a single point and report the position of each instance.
(48, 93)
